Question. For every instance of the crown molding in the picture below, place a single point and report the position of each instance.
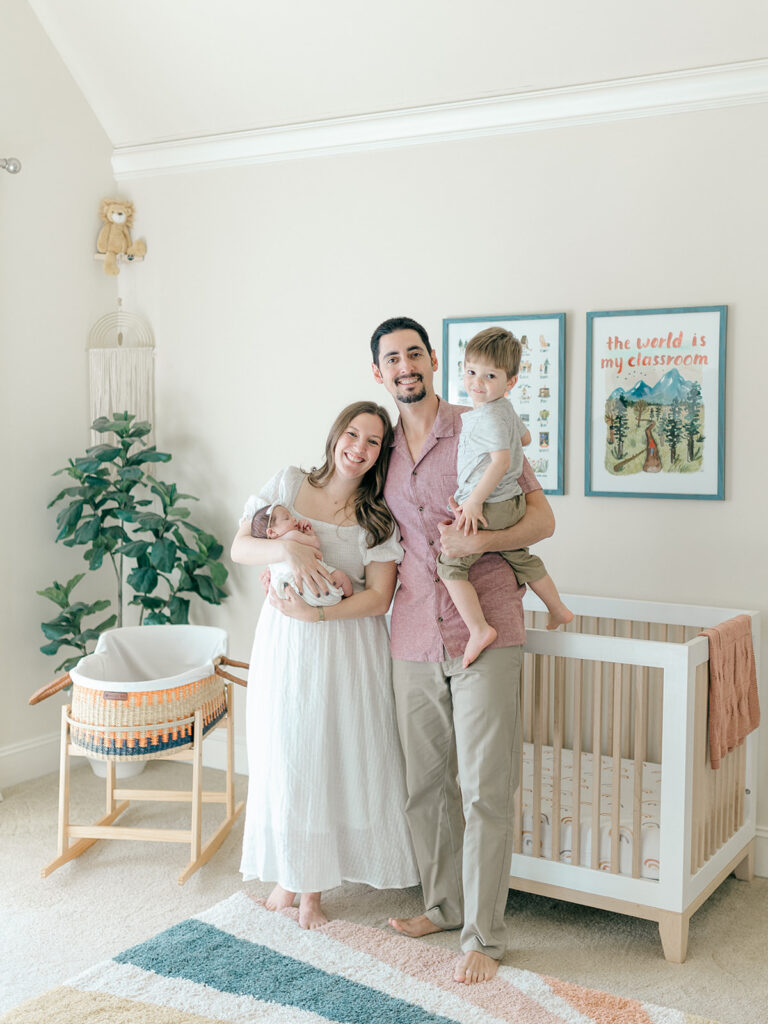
(675, 92)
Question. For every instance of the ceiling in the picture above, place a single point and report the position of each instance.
(156, 70)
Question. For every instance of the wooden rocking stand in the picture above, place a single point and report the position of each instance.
(119, 799)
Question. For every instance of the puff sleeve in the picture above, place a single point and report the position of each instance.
(390, 550)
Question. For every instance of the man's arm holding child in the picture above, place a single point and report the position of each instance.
(537, 524)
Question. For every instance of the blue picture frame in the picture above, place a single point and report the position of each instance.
(538, 396)
(655, 403)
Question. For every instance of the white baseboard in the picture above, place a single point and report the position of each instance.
(761, 852)
(20, 762)
(30, 759)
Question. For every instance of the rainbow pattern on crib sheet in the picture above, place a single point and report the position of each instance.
(651, 807)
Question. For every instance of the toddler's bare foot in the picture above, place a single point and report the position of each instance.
(278, 899)
(559, 615)
(475, 967)
(310, 912)
(478, 641)
(414, 926)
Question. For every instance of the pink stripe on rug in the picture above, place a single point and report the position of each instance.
(434, 966)
(600, 1007)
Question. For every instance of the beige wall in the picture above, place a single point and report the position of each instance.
(51, 290)
(264, 283)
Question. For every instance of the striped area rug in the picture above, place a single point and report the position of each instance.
(238, 962)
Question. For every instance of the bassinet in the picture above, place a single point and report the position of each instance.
(147, 692)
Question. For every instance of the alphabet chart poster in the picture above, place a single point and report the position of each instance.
(539, 394)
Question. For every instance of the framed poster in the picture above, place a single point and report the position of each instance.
(655, 423)
(538, 396)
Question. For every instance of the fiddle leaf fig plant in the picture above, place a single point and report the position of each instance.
(137, 526)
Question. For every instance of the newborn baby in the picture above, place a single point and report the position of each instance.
(275, 521)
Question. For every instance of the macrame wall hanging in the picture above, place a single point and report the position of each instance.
(121, 356)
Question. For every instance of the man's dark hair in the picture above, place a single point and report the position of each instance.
(397, 323)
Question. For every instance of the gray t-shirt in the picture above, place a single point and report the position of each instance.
(489, 428)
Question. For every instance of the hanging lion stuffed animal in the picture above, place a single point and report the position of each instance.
(115, 237)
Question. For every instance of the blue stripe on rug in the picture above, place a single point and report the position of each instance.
(201, 953)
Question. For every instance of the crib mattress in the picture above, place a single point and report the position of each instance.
(651, 806)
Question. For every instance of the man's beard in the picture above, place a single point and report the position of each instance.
(409, 399)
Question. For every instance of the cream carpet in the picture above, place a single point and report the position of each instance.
(119, 894)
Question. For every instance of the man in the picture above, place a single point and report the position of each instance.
(452, 720)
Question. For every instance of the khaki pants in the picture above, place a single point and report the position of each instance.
(462, 722)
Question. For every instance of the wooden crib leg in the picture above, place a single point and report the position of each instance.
(745, 869)
(673, 930)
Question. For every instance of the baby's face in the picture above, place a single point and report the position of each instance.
(281, 521)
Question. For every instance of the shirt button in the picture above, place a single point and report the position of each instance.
(421, 508)
(431, 543)
(437, 579)
(415, 473)
(440, 618)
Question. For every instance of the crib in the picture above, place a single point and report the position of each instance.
(616, 705)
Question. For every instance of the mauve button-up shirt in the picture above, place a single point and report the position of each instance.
(425, 623)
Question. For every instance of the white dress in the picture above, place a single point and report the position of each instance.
(326, 787)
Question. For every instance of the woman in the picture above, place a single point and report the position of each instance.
(326, 788)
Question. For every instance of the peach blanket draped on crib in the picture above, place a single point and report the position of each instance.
(734, 709)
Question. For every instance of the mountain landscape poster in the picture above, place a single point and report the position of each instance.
(655, 403)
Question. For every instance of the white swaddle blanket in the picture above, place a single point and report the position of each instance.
(281, 576)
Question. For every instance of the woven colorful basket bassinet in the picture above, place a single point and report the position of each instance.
(136, 696)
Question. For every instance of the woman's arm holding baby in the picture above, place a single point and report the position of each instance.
(380, 580)
(303, 559)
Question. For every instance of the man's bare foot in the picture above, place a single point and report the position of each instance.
(559, 615)
(278, 899)
(310, 912)
(475, 967)
(477, 643)
(414, 926)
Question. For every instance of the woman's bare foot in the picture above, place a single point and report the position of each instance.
(475, 967)
(559, 615)
(414, 926)
(477, 643)
(278, 899)
(310, 912)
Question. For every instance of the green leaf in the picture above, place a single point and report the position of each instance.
(163, 555)
(179, 610)
(151, 521)
(54, 632)
(84, 465)
(206, 589)
(94, 557)
(178, 513)
(68, 663)
(56, 595)
(87, 531)
(133, 549)
(130, 473)
(104, 452)
(156, 619)
(218, 573)
(68, 492)
(52, 648)
(140, 429)
(97, 606)
(148, 602)
(148, 455)
(143, 581)
(68, 519)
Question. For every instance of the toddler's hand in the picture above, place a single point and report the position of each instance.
(468, 515)
(264, 578)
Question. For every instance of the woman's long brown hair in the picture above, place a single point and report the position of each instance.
(371, 510)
